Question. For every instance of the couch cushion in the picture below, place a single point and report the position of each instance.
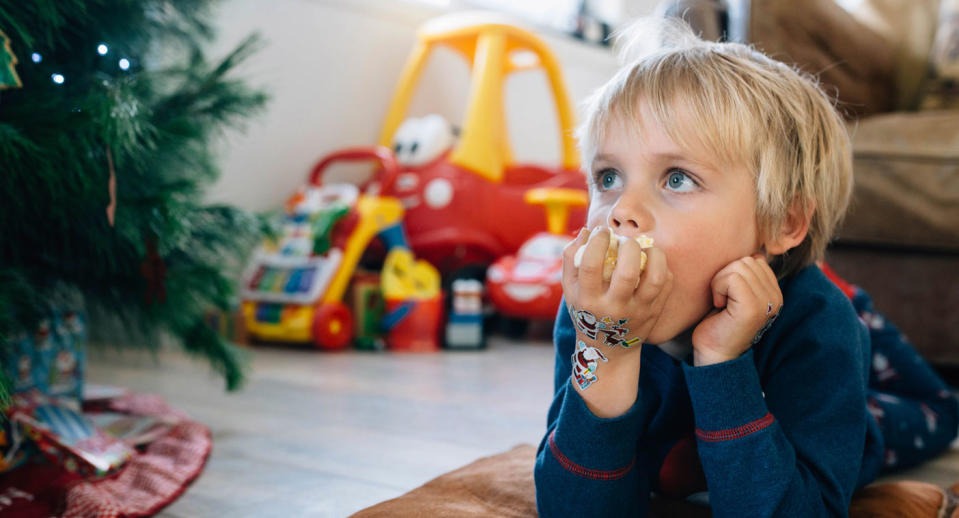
(906, 168)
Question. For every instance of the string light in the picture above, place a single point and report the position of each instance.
(102, 49)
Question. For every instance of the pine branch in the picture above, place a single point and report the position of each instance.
(157, 125)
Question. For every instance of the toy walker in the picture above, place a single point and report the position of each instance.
(293, 288)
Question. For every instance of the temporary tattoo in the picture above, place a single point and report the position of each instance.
(766, 326)
(585, 323)
(613, 332)
(585, 361)
(769, 308)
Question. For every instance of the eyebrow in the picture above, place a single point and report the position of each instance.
(604, 157)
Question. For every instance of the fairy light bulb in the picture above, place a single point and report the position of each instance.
(58, 78)
(124, 64)
(102, 49)
(36, 57)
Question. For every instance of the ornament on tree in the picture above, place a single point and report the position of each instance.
(111, 188)
(8, 73)
(154, 271)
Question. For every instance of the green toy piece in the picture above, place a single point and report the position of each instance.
(8, 74)
(323, 224)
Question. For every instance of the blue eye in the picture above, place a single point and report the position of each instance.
(679, 181)
(607, 179)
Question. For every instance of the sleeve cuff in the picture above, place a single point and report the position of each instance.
(594, 447)
(727, 399)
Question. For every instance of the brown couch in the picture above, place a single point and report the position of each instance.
(884, 61)
(900, 239)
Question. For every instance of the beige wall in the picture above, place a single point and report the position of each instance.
(330, 67)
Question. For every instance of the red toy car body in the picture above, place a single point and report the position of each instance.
(528, 285)
(455, 218)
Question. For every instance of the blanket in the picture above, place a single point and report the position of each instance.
(502, 486)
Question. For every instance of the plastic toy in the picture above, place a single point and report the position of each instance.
(528, 284)
(464, 327)
(462, 191)
(293, 288)
(414, 302)
(366, 302)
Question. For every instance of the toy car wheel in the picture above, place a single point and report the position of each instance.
(332, 326)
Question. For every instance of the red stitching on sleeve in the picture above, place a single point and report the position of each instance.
(593, 474)
(735, 433)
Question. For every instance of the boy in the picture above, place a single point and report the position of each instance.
(739, 169)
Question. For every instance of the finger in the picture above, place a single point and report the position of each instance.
(733, 286)
(755, 265)
(654, 278)
(655, 308)
(570, 272)
(718, 285)
(591, 268)
(626, 276)
(768, 285)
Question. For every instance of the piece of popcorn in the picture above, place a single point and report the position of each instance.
(609, 264)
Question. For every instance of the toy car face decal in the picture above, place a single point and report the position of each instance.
(585, 361)
(419, 141)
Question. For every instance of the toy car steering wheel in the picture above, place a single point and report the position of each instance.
(387, 173)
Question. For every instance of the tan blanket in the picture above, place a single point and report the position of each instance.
(501, 486)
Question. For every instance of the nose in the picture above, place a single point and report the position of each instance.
(630, 217)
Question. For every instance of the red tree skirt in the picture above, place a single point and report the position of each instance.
(144, 485)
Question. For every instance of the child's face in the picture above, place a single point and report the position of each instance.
(703, 216)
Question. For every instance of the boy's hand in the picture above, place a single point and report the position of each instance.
(630, 303)
(746, 297)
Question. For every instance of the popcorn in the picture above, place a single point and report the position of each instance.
(613, 251)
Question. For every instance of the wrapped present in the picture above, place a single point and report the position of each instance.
(50, 358)
(22, 363)
(67, 437)
(47, 360)
(65, 363)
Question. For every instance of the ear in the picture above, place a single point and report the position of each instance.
(793, 230)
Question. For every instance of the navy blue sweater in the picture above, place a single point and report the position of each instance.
(782, 430)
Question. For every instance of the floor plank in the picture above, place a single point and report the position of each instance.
(320, 434)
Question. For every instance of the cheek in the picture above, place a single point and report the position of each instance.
(694, 255)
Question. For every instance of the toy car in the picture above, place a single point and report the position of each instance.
(528, 285)
(462, 191)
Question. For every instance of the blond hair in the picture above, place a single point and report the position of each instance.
(744, 108)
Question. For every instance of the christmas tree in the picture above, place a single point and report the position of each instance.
(105, 148)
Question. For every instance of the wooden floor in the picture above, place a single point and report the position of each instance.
(320, 434)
